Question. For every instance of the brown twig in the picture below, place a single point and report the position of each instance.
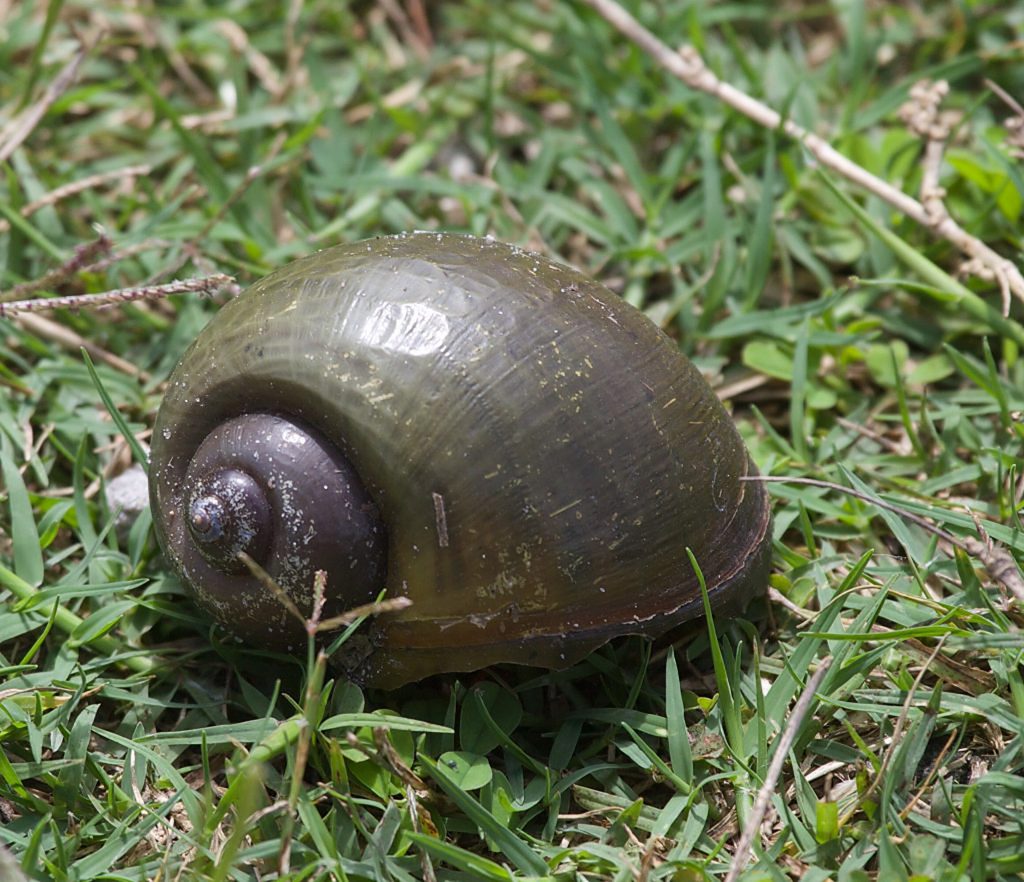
(204, 285)
(782, 748)
(688, 66)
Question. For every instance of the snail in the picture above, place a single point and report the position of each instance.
(472, 426)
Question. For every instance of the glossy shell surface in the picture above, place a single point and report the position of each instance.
(541, 455)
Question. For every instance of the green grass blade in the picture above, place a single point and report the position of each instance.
(680, 756)
(477, 866)
(514, 848)
(115, 414)
(798, 396)
(28, 555)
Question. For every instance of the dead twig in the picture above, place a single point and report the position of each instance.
(688, 66)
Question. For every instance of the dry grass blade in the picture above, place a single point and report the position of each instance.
(782, 748)
(24, 124)
(73, 188)
(67, 339)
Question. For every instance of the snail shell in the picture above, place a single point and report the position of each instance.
(478, 428)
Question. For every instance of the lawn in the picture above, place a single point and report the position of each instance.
(821, 205)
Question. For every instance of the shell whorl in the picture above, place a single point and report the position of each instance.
(279, 491)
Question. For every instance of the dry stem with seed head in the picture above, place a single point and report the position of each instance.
(314, 625)
(205, 285)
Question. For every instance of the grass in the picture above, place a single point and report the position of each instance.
(138, 743)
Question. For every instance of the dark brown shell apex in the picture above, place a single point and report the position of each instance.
(535, 457)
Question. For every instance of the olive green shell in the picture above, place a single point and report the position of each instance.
(540, 453)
